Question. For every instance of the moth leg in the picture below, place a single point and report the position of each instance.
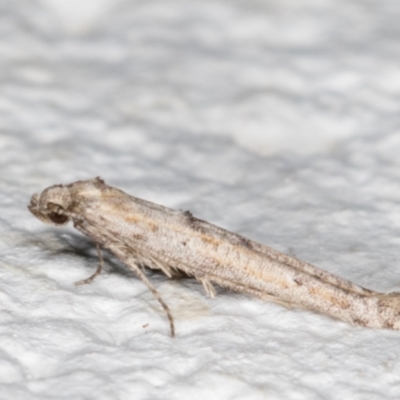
(157, 264)
(153, 290)
(164, 268)
(123, 255)
(208, 287)
(98, 270)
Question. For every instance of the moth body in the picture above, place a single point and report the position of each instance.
(141, 233)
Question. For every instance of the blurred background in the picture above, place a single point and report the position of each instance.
(273, 76)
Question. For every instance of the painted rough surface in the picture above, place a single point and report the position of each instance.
(276, 121)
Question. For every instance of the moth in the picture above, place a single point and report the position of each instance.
(140, 233)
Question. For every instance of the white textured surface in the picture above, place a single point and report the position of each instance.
(278, 120)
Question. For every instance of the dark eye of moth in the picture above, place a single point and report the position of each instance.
(58, 218)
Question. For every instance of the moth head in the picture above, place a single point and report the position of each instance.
(52, 205)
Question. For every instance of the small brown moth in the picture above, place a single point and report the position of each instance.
(141, 233)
